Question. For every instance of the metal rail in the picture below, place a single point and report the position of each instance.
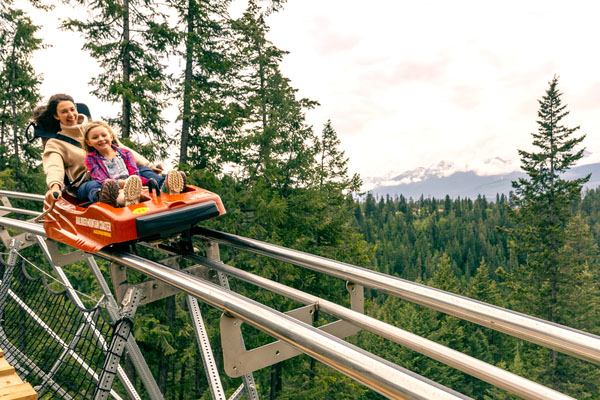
(362, 366)
(376, 373)
(23, 196)
(558, 337)
(496, 376)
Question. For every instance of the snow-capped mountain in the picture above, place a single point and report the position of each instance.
(448, 179)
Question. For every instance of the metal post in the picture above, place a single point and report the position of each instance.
(117, 343)
(133, 349)
(212, 374)
(8, 271)
(213, 253)
(65, 281)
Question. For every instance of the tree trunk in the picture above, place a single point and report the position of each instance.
(276, 384)
(2, 133)
(199, 376)
(126, 108)
(14, 117)
(185, 124)
(182, 384)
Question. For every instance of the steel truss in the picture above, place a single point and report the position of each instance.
(294, 329)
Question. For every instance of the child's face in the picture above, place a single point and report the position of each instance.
(99, 138)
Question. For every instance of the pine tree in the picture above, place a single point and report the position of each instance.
(209, 112)
(278, 146)
(541, 209)
(19, 93)
(129, 38)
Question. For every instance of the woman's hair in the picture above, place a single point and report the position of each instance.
(91, 125)
(43, 116)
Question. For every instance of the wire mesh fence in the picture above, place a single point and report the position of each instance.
(56, 346)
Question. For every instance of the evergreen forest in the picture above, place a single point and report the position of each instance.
(241, 132)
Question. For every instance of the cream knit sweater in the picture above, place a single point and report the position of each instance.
(61, 158)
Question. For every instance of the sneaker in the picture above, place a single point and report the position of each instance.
(174, 182)
(132, 190)
(109, 192)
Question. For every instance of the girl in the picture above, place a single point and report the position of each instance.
(114, 168)
(111, 166)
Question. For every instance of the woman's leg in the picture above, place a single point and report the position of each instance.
(148, 173)
(88, 191)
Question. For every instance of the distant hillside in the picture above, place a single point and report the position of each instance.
(468, 184)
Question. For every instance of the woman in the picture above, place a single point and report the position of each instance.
(63, 161)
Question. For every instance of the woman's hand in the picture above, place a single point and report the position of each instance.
(156, 168)
(53, 194)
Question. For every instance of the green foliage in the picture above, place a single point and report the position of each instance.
(553, 247)
(19, 94)
(209, 113)
(542, 206)
(130, 40)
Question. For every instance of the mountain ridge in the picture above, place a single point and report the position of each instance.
(437, 183)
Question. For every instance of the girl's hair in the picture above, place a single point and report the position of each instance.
(86, 132)
(43, 116)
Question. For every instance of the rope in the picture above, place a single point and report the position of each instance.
(100, 302)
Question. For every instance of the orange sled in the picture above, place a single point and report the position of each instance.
(98, 225)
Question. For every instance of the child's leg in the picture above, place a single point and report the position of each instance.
(109, 192)
(121, 198)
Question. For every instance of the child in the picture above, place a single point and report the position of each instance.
(111, 166)
(115, 170)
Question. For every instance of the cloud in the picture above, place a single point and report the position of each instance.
(407, 84)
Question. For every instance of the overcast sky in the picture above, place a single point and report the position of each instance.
(410, 84)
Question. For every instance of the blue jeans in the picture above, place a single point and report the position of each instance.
(88, 191)
(148, 173)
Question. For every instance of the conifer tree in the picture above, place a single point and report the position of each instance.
(541, 209)
(130, 39)
(19, 93)
(277, 144)
(209, 112)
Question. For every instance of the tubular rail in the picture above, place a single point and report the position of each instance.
(23, 196)
(508, 381)
(558, 337)
(374, 372)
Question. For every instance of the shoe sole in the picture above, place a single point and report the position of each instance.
(174, 182)
(132, 190)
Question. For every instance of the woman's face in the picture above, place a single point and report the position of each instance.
(66, 113)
